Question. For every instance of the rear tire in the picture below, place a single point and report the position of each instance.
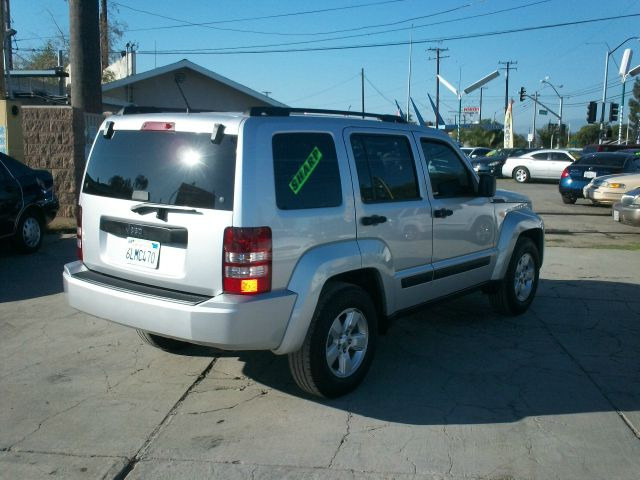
(28, 236)
(515, 292)
(521, 175)
(568, 199)
(340, 343)
(163, 343)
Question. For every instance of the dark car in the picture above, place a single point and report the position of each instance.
(493, 163)
(577, 175)
(27, 203)
(607, 147)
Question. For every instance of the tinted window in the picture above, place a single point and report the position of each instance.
(540, 156)
(171, 168)
(386, 170)
(602, 160)
(561, 156)
(305, 167)
(449, 177)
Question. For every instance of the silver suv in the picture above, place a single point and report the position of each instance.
(296, 231)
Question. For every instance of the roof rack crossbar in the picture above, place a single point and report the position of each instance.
(286, 111)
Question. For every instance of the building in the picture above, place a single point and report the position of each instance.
(203, 89)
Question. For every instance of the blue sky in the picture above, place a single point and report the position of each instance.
(571, 56)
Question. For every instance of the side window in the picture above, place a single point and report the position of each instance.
(540, 156)
(305, 167)
(386, 169)
(560, 156)
(448, 174)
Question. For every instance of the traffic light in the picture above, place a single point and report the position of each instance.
(523, 92)
(613, 112)
(591, 112)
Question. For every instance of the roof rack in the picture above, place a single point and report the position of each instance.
(132, 109)
(286, 111)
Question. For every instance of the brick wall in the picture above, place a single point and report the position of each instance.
(54, 139)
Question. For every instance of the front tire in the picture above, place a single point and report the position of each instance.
(163, 343)
(521, 175)
(340, 343)
(28, 236)
(515, 292)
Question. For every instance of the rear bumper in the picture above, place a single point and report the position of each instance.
(629, 215)
(601, 196)
(230, 322)
(572, 188)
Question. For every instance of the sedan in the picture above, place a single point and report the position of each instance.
(608, 189)
(575, 178)
(628, 210)
(473, 152)
(27, 203)
(541, 164)
(493, 162)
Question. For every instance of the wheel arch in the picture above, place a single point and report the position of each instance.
(517, 223)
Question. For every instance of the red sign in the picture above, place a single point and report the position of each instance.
(471, 109)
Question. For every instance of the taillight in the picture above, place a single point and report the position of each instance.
(79, 233)
(246, 266)
(565, 173)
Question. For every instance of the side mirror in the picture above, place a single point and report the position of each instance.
(487, 185)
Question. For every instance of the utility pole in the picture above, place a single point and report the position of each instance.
(437, 59)
(7, 28)
(508, 66)
(86, 91)
(362, 89)
(480, 111)
(104, 35)
(535, 112)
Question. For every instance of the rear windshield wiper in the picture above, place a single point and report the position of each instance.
(161, 210)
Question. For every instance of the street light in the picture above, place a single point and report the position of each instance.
(606, 79)
(546, 80)
(474, 86)
(625, 73)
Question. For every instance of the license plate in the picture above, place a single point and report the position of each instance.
(144, 253)
(616, 215)
(589, 174)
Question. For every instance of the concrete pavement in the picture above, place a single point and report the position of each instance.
(455, 392)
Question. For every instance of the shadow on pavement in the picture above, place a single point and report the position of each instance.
(575, 352)
(39, 274)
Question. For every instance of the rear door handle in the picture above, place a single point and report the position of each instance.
(373, 220)
(442, 213)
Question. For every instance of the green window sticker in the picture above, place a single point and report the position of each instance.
(305, 171)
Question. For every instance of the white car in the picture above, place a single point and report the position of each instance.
(542, 164)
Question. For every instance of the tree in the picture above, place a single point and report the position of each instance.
(634, 113)
(587, 135)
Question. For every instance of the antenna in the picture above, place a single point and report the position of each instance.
(179, 78)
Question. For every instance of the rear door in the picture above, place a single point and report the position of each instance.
(392, 206)
(558, 161)
(155, 205)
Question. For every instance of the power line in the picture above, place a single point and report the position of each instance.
(390, 44)
(263, 17)
(343, 37)
(325, 90)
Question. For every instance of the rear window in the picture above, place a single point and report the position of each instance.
(601, 161)
(169, 168)
(305, 167)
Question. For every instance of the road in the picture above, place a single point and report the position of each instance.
(455, 391)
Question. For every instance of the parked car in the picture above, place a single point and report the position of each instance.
(628, 209)
(607, 147)
(27, 203)
(541, 164)
(473, 152)
(291, 230)
(493, 161)
(575, 177)
(609, 189)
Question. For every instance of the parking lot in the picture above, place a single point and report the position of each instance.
(455, 391)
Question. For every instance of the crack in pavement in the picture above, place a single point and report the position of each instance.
(343, 439)
(258, 395)
(124, 472)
